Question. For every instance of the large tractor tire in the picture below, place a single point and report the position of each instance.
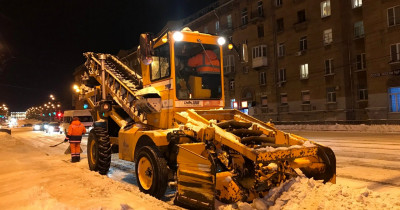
(99, 150)
(151, 171)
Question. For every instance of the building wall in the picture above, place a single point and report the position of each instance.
(348, 77)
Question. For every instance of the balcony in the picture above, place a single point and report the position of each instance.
(300, 26)
(255, 16)
(260, 62)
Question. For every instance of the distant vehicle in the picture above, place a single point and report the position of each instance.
(84, 116)
(40, 126)
(53, 127)
(27, 125)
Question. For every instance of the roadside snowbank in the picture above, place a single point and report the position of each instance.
(304, 193)
(340, 127)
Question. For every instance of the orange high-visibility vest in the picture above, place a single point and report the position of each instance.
(205, 64)
(75, 131)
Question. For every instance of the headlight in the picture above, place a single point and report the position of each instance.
(46, 126)
(221, 40)
(51, 129)
(37, 127)
(178, 36)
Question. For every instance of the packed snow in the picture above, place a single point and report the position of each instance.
(304, 193)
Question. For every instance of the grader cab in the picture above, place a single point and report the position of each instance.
(166, 115)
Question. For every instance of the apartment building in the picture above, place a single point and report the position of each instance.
(313, 61)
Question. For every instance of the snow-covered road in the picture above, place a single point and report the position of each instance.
(369, 160)
(29, 168)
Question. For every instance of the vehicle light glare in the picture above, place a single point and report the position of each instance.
(37, 127)
(51, 129)
(178, 36)
(45, 126)
(221, 40)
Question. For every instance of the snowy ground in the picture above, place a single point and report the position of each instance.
(36, 176)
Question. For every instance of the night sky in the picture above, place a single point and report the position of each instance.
(41, 42)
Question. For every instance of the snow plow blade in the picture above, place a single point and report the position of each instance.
(196, 177)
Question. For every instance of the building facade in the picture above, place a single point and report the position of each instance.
(309, 61)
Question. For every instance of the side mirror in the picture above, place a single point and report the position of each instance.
(145, 49)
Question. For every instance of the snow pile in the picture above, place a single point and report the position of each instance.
(4, 136)
(304, 193)
(339, 127)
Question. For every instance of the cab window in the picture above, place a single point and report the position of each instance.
(160, 66)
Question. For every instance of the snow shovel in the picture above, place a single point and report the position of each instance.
(68, 151)
(56, 144)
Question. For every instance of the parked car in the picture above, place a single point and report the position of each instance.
(53, 127)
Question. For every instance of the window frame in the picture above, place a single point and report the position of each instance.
(280, 26)
(328, 36)
(232, 84)
(262, 98)
(282, 75)
(303, 94)
(262, 78)
(217, 25)
(229, 21)
(303, 43)
(278, 3)
(395, 23)
(397, 47)
(359, 28)
(260, 8)
(329, 66)
(284, 95)
(361, 62)
(229, 63)
(301, 16)
(328, 11)
(396, 96)
(304, 71)
(331, 97)
(281, 49)
(364, 92)
(244, 16)
(356, 3)
(259, 51)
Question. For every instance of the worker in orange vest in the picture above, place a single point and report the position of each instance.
(208, 67)
(74, 136)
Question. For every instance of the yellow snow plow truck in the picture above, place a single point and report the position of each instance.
(166, 115)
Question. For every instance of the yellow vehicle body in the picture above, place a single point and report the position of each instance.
(169, 121)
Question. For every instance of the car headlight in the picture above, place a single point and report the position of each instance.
(37, 127)
(51, 129)
(46, 126)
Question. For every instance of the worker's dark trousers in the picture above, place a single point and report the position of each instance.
(75, 152)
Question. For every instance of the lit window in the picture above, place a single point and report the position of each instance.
(260, 8)
(325, 8)
(329, 67)
(229, 21)
(305, 97)
(357, 3)
(395, 52)
(282, 75)
(281, 49)
(284, 99)
(217, 25)
(328, 37)
(303, 43)
(244, 16)
(304, 71)
(358, 29)
(394, 97)
(361, 62)
(229, 64)
(393, 16)
(362, 94)
(263, 78)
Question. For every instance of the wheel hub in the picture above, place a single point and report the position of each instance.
(145, 173)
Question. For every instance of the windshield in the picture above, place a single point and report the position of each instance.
(198, 71)
(160, 65)
(85, 118)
